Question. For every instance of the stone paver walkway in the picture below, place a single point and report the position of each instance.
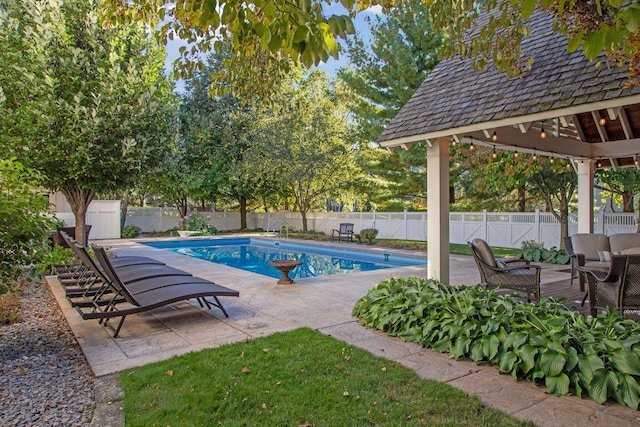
(325, 304)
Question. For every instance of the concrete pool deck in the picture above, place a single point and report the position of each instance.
(325, 304)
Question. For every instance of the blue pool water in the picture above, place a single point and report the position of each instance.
(254, 255)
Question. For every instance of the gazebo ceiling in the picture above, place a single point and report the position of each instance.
(586, 112)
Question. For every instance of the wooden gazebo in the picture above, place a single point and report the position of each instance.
(588, 114)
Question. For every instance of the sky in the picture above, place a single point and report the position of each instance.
(331, 67)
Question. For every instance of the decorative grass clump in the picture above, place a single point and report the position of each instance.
(298, 378)
(595, 357)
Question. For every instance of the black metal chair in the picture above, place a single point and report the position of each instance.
(513, 274)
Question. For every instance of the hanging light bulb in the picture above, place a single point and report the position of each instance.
(599, 164)
(516, 154)
(494, 137)
(568, 163)
(471, 147)
(635, 160)
(543, 133)
(602, 121)
(534, 155)
(494, 154)
(551, 159)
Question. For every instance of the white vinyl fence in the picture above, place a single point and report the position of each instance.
(497, 228)
(103, 215)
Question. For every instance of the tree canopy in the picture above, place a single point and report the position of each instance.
(88, 107)
(267, 35)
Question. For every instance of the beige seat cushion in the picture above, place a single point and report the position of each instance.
(632, 251)
(589, 244)
(624, 241)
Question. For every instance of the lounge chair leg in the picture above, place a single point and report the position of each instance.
(217, 304)
(115, 335)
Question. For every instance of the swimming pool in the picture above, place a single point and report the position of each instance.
(254, 255)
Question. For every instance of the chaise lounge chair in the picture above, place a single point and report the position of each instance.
(90, 280)
(148, 294)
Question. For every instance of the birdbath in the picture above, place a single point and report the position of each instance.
(285, 266)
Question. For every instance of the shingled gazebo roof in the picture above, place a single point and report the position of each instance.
(563, 92)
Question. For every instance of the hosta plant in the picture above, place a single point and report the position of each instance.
(546, 343)
(536, 252)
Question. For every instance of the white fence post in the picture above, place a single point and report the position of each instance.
(536, 224)
(601, 222)
(485, 225)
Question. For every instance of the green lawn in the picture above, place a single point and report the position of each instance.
(414, 245)
(298, 378)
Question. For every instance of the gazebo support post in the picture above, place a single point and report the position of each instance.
(438, 210)
(586, 170)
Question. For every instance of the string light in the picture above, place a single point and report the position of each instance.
(543, 133)
(471, 147)
(452, 141)
(494, 137)
(568, 163)
(534, 155)
(635, 160)
(494, 154)
(516, 154)
(599, 164)
(602, 121)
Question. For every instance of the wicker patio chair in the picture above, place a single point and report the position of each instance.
(617, 288)
(516, 275)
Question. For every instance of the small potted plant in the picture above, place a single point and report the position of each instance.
(369, 234)
(195, 224)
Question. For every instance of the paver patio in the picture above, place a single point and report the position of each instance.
(325, 304)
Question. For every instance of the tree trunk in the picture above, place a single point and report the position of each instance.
(627, 201)
(303, 213)
(79, 200)
(183, 204)
(243, 212)
(124, 206)
(522, 199)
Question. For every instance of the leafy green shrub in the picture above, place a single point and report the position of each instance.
(536, 252)
(130, 232)
(598, 357)
(24, 227)
(196, 222)
(50, 258)
(369, 234)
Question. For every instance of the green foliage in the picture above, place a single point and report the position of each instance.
(197, 222)
(52, 257)
(130, 232)
(307, 135)
(368, 234)
(295, 378)
(596, 357)
(267, 36)
(89, 107)
(536, 252)
(24, 227)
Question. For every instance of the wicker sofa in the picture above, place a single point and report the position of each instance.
(593, 251)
